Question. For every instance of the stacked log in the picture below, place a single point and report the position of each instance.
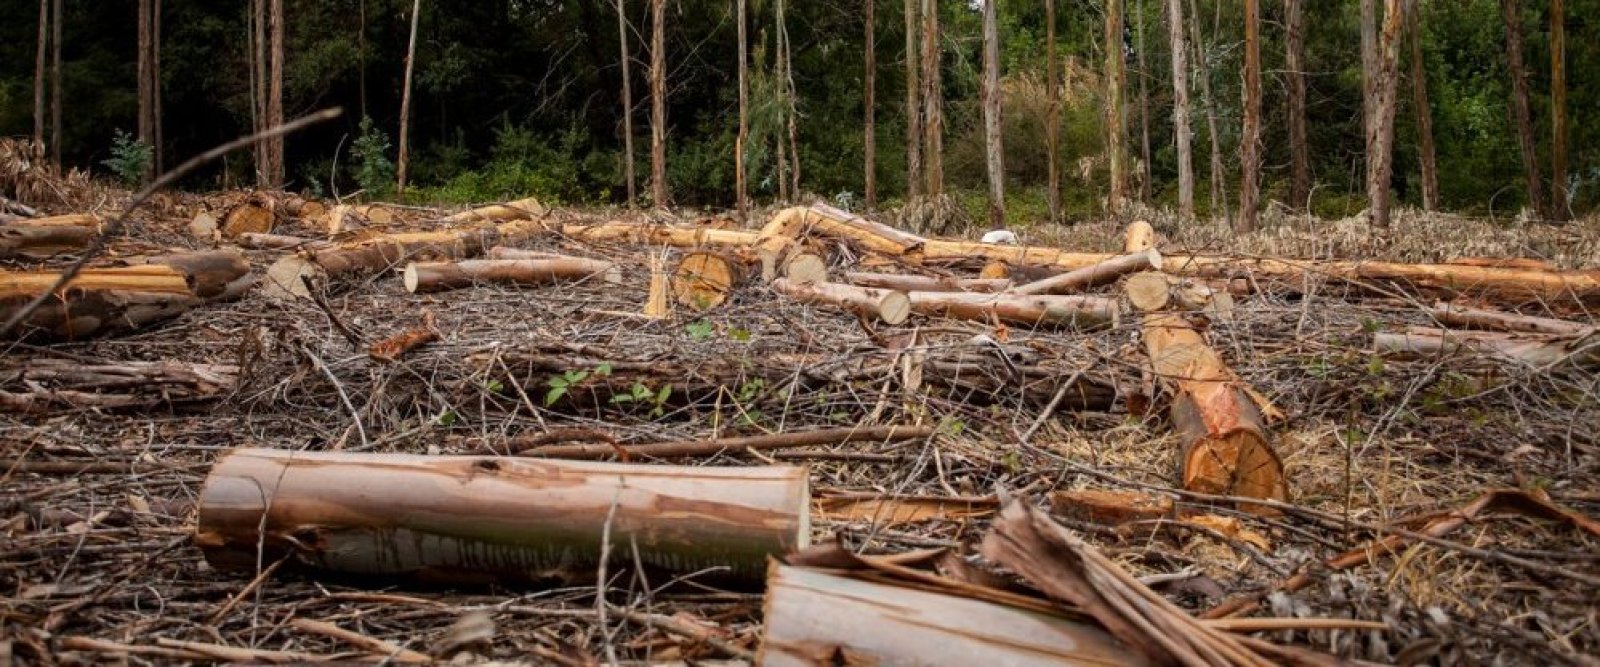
(909, 283)
(888, 306)
(1078, 312)
(287, 276)
(42, 238)
(465, 519)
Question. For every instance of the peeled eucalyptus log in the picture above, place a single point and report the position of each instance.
(480, 519)
(119, 299)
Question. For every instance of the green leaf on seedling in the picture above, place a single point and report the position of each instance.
(446, 418)
(699, 330)
(603, 369)
(555, 394)
(493, 386)
(1375, 366)
(955, 426)
(739, 334)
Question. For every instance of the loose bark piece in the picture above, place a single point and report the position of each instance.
(704, 280)
(690, 448)
(1080, 312)
(1098, 274)
(1110, 508)
(887, 305)
(1466, 316)
(815, 618)
(41, 238)
(440, 276)
(907, 283)
(48, 385)
(1538, 350)
(477, 519)
(399, 345)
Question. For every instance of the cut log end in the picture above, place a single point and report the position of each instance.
(806, 269)
(1238, 463)
(410, 278)
(704, 280)
(248, 218)
(284, 277)
(995, 271)
(894, 308)
(1139, 237)
(1148, 291)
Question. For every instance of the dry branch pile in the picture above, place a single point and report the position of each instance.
(1249, 460)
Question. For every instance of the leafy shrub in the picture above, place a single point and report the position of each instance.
(131, 159)
(374, 171)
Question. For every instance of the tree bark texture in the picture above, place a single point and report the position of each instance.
(1219, 189)
(55, 84)
(1380, 130)
(1115, 123)
(1097, 274)
(275, 94)
(481, 519)
(993, 118)
(1183, 135)
(1560, 207)
(1532, 350)
(890, 307)
(658, 104)
(913, 104)
(1477, 318)
(1144, 107)
(627, 96)
(1250, 137)
(1053, 116)
(43, 386)
(441, 276)
(932, 100)
(907, 283)
(1419, 104)
(42, 238)
(1077, 312)
(405, 101)
(869, 137)
(118, 299)
(39, 71)
(1511, 12)
(1294, 39)
(146, 133)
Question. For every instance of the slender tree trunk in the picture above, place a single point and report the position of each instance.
(1559, 206)
(869, 135)
(932, 99)
(1295, 63)
(741, 179)
(627, 102)
(1369, 67)
(147, 132)
(789, 96)
(1219, 190)
(1380, 162)
(1115, 124)
(39, 72)
(1052, 131)
(1510, 11)
(783, 112)
(55, 84)
(361, 51)
(255, 38)
(1250, 139)
(405, 101)
(1182, 134)
(275, 92)
(1419, 102)
(1144, 110)
(155, 85)
(913, 105)
(993, 131)
(658, 103)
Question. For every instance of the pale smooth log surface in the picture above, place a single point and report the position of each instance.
(1081, 312)
(106, 300)
(1538, 350)
(40, 238)
(875, 236)
(1466, 316)
(890, 306)
(479, 519)
(522, 209)
(439, 276)
(910, 283)
(814, 617)
(1096, 274)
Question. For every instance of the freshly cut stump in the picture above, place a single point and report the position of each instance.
(705, 280)
(251, 217)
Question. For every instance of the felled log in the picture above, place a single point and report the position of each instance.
(817, 618)
(1109, 508)
(656, 235)
(258, 214)
(1537, 350)
(480, 519)
(705, 279)
(47, 385)
(254, 241)
(910, 283)
(889, 306)
(214, 275)
(304, 208)
(873, 236)
(735, 445)
(522, 209)
(439, 276)
(1095, 274)
(502, 252)
(117, 299)
(1477, 318)
(1080, 312)
(372, 255)
(40, 238)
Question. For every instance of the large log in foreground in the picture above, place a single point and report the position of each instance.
(116, 299)
(818, 618)
(467, 519)
(439, 276)
(41, 238)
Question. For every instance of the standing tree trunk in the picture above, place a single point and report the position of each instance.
(658, 104)
(741, 180)
(147, 132)
(258, 83)
(627, 101)
(1380, 133)
(1519, 106)
(993, 139)
(1182, 134)
(405, 101)
(1144, 110)
(869, 136)
(275, 94)
(913, 106)
(1250, 139)
(1114, 120)
(155, 83)
(1369, 68)
(1419, 102)
(39, 71)
(1052, 130)
(1559, 209)
(361, 52)
(1219, 191)
(932, 99)
(787, 73)
(55, 84)
(1295, 62)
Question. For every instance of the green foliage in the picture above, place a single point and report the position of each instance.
(640, 394)
(561, 383)
(699, 329)
(374, 171)
(131, 159)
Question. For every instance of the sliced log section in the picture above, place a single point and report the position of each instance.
(1096, 274)
(805, 267)
(908, 283)
(817, 618)
(48, 385)
(304, 208)
(98, 301)
(1477, 318)
(480, 519)
(258, 214)
(368, 256)
(1080, 312)
(1537, 350)
(440, 276)
(889, 306)
(41, 238)
(704, 280)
